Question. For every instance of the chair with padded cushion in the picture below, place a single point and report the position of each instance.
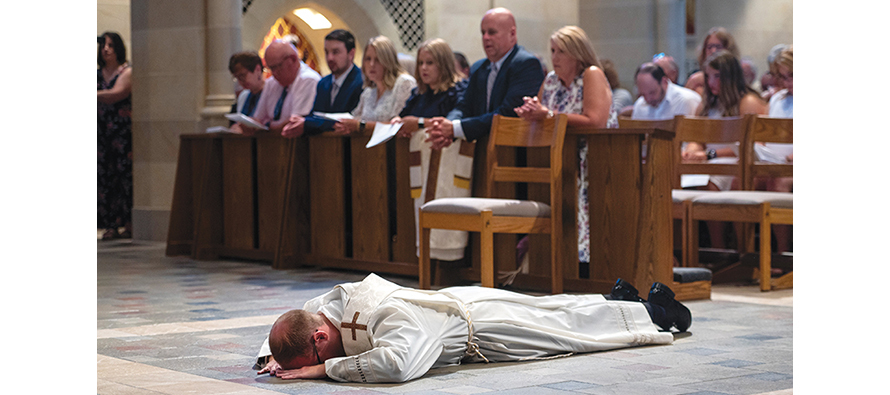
(761, 207)
(728, 130)
(489, 215)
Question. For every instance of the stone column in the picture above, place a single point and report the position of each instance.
(223, 39)
(180, 51)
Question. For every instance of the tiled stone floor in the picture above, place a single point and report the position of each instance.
(171, 325)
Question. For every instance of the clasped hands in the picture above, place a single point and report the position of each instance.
(306, 372)
(531, 109)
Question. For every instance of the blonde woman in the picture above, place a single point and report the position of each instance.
(577, 87)
(386, 87)
(439, 86)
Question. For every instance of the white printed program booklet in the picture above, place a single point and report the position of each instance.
(382, 133)
(336, 116)
(245, 120)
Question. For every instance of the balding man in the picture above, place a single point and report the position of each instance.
(669, 66)
(659, 97)
(289, 94)
(497, 83)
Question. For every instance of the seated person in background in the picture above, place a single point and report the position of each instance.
(439, 86)
(622, 99)
(578, 87)
(659, 97)
(339, 91)
(749, 70)
(772, 84)
(669, 66)
(727, 96)
(781, 105)
(462, 65)
(375, 331)
(716, 39)
(497, 83)
(288, 95)
(387, 86)
(247, 68)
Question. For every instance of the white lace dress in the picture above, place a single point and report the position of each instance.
(570, 100)
(389, 105)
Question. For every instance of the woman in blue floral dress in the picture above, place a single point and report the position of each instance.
(115, 141)
(578, 88)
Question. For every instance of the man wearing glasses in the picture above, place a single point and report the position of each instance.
(376, 331)
(289, 94)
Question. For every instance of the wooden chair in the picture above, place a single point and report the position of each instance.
(703, 130)
(491, 215)
(763, 208)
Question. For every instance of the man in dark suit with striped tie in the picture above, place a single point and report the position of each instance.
(339, 91)
(497, 83)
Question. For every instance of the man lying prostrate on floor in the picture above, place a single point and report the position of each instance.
(376, 331)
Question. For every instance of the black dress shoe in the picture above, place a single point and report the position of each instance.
(676, 313)
(623, 290)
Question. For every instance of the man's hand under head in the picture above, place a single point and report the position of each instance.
(306, 372)
(440, 132)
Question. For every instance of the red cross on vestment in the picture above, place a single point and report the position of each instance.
(353, 325)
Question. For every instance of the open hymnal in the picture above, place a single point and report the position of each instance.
(382, 133)
(245, 120)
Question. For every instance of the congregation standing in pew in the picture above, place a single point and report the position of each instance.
(339, 91)
(436, 173)
(660, 98)
(578, 87)
(497, 83)
(386, 87)
(717, 39)
(247, 69)
(726, 95)
(288, 95)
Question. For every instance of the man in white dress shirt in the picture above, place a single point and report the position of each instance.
(289, 94)
(659, 97)
(376, 331)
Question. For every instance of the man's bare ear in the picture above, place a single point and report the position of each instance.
(321, 335)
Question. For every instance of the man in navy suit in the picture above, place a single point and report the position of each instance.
(340, 90)
(497, 83)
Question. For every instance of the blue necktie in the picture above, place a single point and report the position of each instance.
(278, 105)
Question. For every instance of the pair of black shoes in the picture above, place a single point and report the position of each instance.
(675, 313)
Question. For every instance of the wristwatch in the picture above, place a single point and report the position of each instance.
(361, 126)
(420, 123)
(712, 154)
